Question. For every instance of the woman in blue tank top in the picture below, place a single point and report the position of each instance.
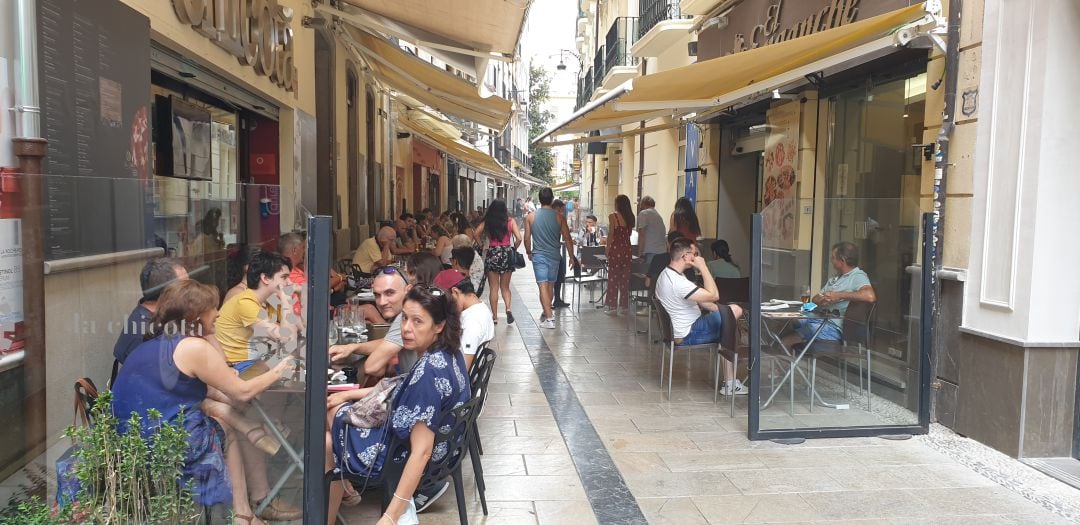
(170, 373)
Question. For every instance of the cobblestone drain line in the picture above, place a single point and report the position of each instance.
(610, 498)
(1056, 496)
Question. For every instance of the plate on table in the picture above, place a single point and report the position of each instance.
(342, 388)
(365, 296)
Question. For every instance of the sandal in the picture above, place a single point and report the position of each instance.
(263, 441)
(351, 498)
(509, 317)
(495, 319)
(278, 510)
(281, 428)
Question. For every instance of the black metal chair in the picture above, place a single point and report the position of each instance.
(729, 349)
(457, 439)
(854, 346)
(733, 290)
(479, 374)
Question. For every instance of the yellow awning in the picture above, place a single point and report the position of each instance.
(713, 82)
(464, 152)
(428, 84)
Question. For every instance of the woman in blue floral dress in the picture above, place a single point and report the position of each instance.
(436, 384)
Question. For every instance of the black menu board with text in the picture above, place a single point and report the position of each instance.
(94, 75)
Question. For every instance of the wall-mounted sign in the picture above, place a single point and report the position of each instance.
(758, 23)
(257, 32)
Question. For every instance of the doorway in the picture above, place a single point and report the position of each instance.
(324, 123)
(352, 141)
(372, 186)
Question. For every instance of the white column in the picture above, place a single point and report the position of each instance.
(1025, 245)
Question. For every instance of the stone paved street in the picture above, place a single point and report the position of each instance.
(685, 461)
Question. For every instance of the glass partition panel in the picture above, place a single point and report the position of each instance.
(138, 285)
(838, 315)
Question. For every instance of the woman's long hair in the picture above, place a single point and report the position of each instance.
(438, 305)
(685, 215)
(495, 220)
(622, 205)
(425, 267)
(722, 251)
(180, 308)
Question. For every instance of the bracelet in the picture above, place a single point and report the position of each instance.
(387, 516)
(400, 498)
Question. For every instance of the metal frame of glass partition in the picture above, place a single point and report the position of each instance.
(754, 430)
(318, 348)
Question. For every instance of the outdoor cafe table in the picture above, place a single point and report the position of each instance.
(291, 389)
(770, 320)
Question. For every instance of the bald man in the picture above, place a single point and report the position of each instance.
(375, 251)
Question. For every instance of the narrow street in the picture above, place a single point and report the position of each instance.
(577, 431)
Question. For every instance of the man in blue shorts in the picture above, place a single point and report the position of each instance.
(543, 230)
(849, 284)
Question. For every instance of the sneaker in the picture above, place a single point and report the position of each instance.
(424, 499)
(737, 389)
(611, 311)
(548, 323)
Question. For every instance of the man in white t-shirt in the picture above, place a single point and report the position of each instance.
(477, 327)
(684, 302)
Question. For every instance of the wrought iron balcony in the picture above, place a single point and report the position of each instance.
(598, 68)
(622, 35)
(585, 89)
(655, 11)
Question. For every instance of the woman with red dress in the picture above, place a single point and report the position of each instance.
(684, 220)
(620, 224)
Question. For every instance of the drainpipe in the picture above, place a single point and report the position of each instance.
(30, 149)
(641, 144)
(941, 171)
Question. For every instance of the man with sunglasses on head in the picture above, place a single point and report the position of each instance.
(389, 288)
(694, 313)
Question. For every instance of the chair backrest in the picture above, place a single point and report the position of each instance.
(729, 331)
(733, 290)
(857, 322)
(480, 372)
(705, 248)
(588, 257)
(453, 435)
(667, 333)
(86, 395)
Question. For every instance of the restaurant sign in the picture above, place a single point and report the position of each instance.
(257, 32)
(753, 24)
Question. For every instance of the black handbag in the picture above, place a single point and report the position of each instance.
(519, 260)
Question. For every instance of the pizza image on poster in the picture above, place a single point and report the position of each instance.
(779, 179)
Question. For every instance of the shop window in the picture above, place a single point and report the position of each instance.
(872, 191)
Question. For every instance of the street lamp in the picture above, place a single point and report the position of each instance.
(562, 58)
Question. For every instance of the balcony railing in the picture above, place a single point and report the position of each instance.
(655, 11)
(585, 89)
(598, 68)
(622, 35)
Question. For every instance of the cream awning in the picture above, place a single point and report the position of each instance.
(492, 26)
(430, 85)
(726, 79)
(464, 152)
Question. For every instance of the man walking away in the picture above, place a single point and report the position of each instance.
(542, 232)
(560, 208)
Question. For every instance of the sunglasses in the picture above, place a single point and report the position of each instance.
(391, 270)
(433, 291)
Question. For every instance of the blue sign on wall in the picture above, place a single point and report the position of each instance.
(693, 138)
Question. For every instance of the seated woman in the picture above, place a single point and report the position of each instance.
(436, 385)
(171, 371)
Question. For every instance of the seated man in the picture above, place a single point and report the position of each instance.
(261, 310)
(460, 261)
(389, 288)
(476, 267)
(477, 327)
(293, 247)
(592, 234)
(156, 275)
(684, 302)
(375, 251)
(849, 284)
(407, 240)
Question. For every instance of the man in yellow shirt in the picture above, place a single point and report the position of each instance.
(375, 251)
(247, 314)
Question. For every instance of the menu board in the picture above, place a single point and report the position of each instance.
(779, 195)
(94, 74)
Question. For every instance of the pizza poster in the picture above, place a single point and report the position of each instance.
(779, 176)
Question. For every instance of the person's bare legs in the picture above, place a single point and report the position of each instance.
(547, 292)
(337, 490)
(504, 285)
(258, 487)
(493, 294)
(235, 465)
